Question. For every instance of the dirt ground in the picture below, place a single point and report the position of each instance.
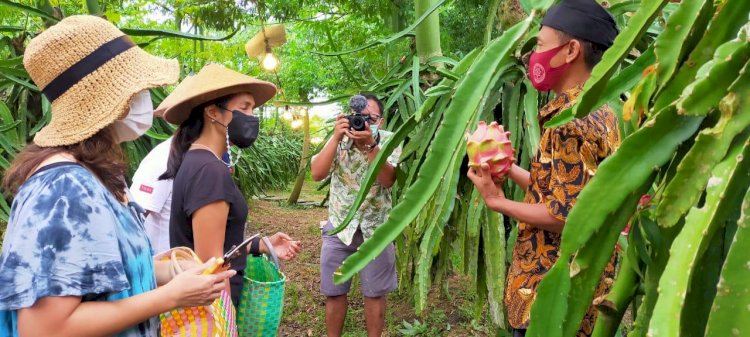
(304, 310)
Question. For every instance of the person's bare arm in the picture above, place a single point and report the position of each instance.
(533, 214)
(320, 165)
(163, 275)
(67, 316)
(209, 229)
(387, 174)
(520, 176)
(283, 245)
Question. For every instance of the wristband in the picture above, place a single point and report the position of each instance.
(255, 247)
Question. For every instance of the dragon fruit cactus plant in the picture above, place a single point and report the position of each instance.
(490, 144)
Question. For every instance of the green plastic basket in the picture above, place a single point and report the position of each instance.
(262, 299)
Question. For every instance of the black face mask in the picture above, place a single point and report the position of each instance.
(243, 129)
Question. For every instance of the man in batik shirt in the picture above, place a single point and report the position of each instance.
(573, 37)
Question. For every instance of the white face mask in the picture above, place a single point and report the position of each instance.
(138, 120)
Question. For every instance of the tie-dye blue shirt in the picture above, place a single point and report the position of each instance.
(69, 236)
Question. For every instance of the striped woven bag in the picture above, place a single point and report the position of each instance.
(215, 320)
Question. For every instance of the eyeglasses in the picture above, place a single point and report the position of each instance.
(372, 119)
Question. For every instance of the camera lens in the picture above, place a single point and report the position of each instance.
(357, 123)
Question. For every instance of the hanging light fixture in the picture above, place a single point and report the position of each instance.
(269, 61)
(288, 115)
(260, 46)
(297, 123)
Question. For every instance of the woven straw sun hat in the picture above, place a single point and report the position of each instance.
(90, 70)
(212, 82)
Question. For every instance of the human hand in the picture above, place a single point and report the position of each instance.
(191, 289)
(482, 179)
(363, 137)
(341, 128)
(283, 245)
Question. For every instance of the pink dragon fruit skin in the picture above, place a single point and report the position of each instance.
(490, 144)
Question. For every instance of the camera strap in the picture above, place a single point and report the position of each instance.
(346, 144)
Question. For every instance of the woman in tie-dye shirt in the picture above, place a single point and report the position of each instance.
(76, 260)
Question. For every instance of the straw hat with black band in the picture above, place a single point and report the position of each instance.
(90, 70)
(212, 82)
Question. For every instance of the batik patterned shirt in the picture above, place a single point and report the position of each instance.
(69, 236)
(567, 159)
(349, 169)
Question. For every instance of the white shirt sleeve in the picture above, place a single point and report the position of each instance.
(148, 191)
(151, 193)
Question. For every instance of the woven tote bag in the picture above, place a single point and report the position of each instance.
(262, 300)
(215, 320)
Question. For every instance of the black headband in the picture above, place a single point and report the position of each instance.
(86, 66)
(583, 19)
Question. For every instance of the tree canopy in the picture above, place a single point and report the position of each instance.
(312, 27)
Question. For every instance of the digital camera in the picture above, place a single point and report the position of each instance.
(357, 122)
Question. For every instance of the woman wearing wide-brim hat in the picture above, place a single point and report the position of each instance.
(214, 108)
(75, 260)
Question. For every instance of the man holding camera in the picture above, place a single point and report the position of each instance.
(346, 158)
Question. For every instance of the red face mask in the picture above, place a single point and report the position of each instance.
(543, 77)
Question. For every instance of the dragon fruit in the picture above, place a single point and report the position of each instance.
(490, 144)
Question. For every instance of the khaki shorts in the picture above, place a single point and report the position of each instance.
(377, 279)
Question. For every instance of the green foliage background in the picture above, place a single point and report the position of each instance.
(677, 76)
(312, 26)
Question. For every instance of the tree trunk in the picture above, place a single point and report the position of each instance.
(395, 20)
(428, 32)
(302, 162)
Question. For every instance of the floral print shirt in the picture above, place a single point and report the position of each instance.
(69, 236)
(567, 159)
(348, 172)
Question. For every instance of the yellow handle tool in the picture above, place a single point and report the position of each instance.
(212, 269)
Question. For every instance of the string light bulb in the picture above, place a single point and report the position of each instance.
(270, 62)
(296, 124)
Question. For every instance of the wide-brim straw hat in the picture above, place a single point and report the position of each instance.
(90, 70)
(212, 82)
